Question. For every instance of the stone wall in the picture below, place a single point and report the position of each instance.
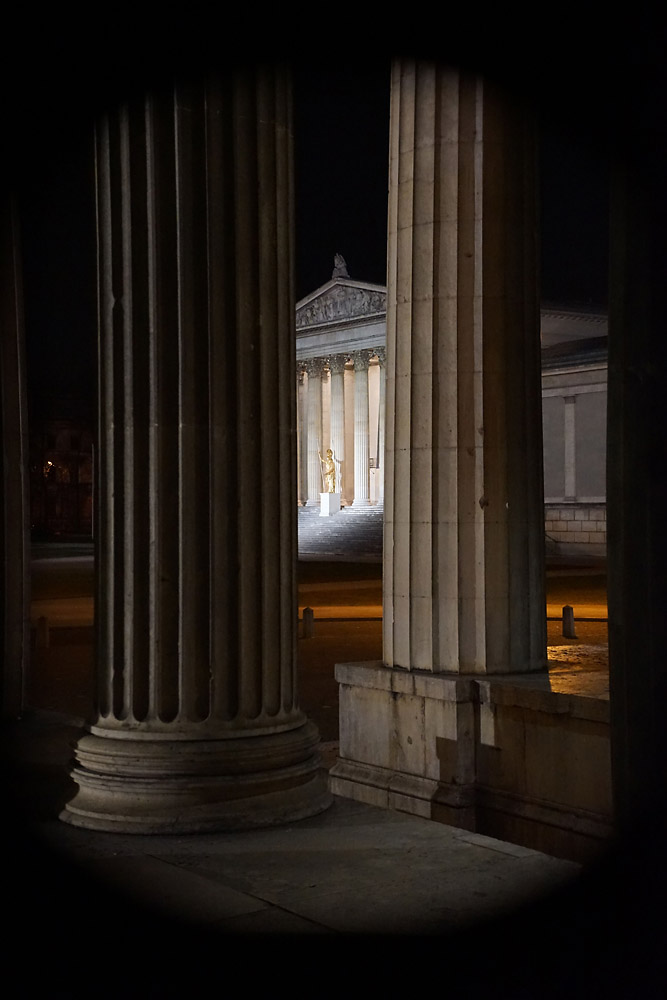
(576, 529)
(544, 769)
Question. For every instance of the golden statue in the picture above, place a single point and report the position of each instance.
(329, 470)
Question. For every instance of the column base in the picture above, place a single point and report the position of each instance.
(196, 786)
(361, 502)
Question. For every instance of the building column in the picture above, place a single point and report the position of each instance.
(14, 466)
(570, 446)
(637, 468)
(463, 580)
(314, 369)
(337, 368)
(348, 394)
(382, 358)
(302, 437)
(361, 429)
(198, 725)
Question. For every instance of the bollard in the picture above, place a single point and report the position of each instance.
(308, 623)
(568, 622)
(42, 633)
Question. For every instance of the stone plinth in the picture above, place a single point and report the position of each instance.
(329, 504)
(398, 734)
(507, 757)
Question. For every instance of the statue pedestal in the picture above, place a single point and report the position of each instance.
(329, 504)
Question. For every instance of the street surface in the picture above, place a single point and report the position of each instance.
(62, 590)
(347, 603)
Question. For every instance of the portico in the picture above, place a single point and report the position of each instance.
(335, 319)
(340, 351)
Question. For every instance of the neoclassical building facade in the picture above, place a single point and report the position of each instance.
(341, 377)
(341, 400)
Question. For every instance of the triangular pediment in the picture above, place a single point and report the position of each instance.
(341, 300)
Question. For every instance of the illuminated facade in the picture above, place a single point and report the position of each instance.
(341, 389)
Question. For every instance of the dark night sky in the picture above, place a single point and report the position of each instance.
(341, 159)
(341, 125)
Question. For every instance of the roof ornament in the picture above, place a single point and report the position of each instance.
(340, 267)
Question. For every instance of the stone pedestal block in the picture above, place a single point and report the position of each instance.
(329, 504)
(406, 740)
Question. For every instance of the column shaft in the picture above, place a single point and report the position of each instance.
(314, 370)
(14, 465)
(464, 569)
(361, 430)
(637, 465)
(348, 393)
(337, 368)
(382, 357)
(302, 438)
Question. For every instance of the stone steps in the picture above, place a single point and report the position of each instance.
(348, 536)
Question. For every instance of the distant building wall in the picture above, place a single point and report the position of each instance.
(574, 414)
(576, 529)
(61, 477)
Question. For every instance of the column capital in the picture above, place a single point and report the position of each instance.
(381, 354)
(314, 367)
(361, 359)
(336, 363)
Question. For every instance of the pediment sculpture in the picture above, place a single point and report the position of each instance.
(340, 303)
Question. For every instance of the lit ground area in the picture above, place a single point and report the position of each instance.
(346, 599)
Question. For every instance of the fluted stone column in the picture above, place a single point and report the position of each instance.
(198, 725)
(464, 573)
(348, 394)
(382, 358)
(314, 369)
(302, 437)
(463, 580)
(361, 430)
(14, 465)
(325, 397)
(337, 368)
